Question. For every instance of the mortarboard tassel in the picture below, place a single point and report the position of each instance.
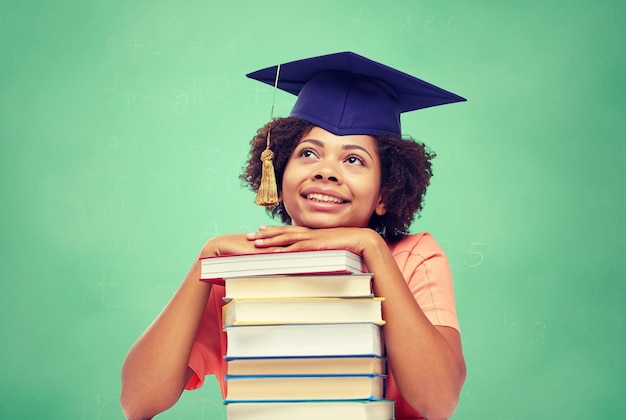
(268, 191)
(267, 194)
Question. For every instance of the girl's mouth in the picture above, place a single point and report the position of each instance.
(323, 198)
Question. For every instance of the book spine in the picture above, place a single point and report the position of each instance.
(294, 341)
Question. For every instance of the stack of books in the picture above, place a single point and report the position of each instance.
(304, 335)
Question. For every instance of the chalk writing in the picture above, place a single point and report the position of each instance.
(156, 45)
(431, 24)
(135, 45)
(156, 102)
(112, 92)
(211, 230)
(535, 333)
(132, 243)
(359, 16)
(113, 145)
(404, 24)
(257, 92)
(100, 287)
(112, 244)
(452, 24)
(220, 86)
(181, 102)
(508, 325)
(118, 192)
(474, 257)
(100, 405)
(540, 333)
(198, 46)
(209, 409)
(111, 47)
(157, 296)
(130, 94)
(233, 46)
(197, 96)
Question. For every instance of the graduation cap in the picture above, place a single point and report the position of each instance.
(346, 93)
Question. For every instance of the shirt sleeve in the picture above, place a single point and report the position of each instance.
(209, 346)
(427, 272)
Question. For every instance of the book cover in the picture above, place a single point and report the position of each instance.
(293, 262)
(364, 365)
(304, 388)
(286, 340)
(302, 311)
(309, 410)
(297, 285)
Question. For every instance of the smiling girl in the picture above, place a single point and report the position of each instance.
(346, 179)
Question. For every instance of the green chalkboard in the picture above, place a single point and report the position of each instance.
(124, 124)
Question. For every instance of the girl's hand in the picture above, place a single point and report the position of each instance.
(298, 238)
(232, 244)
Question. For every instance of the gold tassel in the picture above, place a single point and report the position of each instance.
(267, 195)
(268, 191)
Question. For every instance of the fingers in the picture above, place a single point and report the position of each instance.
(279, 236)
(265, 232)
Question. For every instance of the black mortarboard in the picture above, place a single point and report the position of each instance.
(346, 93)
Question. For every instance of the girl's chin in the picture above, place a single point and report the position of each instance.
(318, 223)
(323, 223)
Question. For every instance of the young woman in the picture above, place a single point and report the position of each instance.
(346, 179)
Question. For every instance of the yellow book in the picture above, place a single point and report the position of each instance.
(300, 285)
(312, 410)
(307, 365)
(297, 388)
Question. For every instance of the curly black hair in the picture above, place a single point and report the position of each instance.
(405, 173)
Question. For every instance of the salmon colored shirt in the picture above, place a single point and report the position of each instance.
(427, 273)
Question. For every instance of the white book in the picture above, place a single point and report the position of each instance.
(292, 340)
(302, 311)
(293, 262)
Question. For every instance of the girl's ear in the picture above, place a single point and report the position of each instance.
(380, 208)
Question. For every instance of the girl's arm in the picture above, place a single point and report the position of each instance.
(155, 371)
(426, 361)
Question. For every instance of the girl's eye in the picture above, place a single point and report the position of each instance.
(306, 153)
(355, 160)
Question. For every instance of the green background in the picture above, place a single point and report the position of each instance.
(123, 127)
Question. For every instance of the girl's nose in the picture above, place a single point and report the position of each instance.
(330, 177)
(327, 170)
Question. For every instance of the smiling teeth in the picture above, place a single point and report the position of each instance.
(324, 198)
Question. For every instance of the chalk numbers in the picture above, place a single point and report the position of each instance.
(474, 255)
(471, 255)
(435, 23)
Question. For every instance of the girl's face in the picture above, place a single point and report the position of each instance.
(332, 181)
